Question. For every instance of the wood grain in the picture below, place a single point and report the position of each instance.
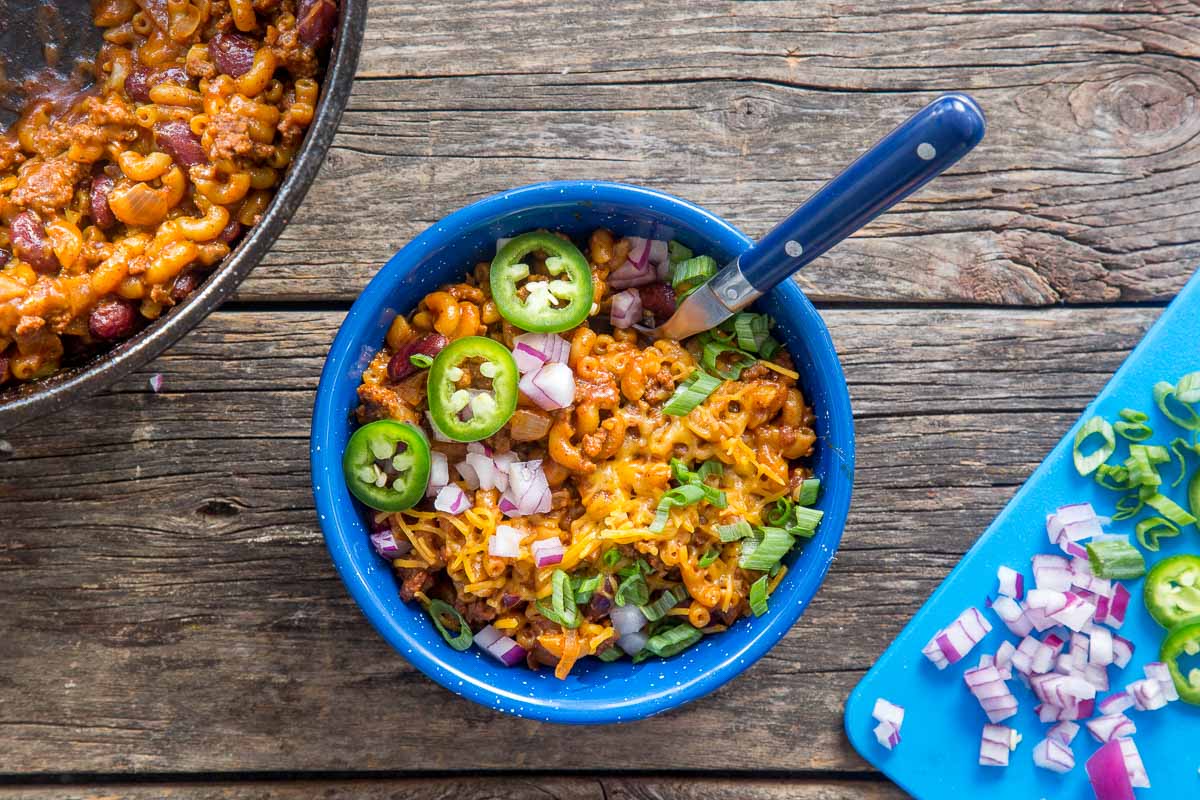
(499, 788)
(1082, 192)
(168, 605)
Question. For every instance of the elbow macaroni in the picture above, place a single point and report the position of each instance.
(126, 202)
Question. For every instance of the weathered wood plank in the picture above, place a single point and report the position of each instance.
(499, 788)
(168, 604)
(1082, 191)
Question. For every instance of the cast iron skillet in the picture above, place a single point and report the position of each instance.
(24, 402)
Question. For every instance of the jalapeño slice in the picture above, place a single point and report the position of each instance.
(386, 464)
(461, 403)
(1172, 591)
(1182, 642)
(548, 306)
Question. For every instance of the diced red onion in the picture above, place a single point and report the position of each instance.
(1116, 703)
(487, 473)
(547, 552)
(1012, 583)
(639, 250)
(958, 638)
(1063, 732)
(887, 735)
(995, 745)
(532, 350)
(487, 636)
(1097, 676)
(627, 619)
(439, 473)
(451, 500)
(505, 542)
(632, 643)
(528, 490)
(1108, 773)
(1053, 755)
(1004, 654)
(1051, 572)
(626, 309)
(1147, 694)
(506, 651)
(1115, 605)
(1100, 647)
(637, 270)
(1013, 616)
(386, 545)
(990, 690)
(1158, 671)
(1111, 726)
(551, 387)
(1134, 767)
(1076, 614)
(888, 712)
(1069, 515)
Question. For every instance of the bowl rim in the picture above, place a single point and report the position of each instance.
(326, 466)
(23, 402)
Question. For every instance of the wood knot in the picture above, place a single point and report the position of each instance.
(1140, 112)
(749, 114)
(218, 508)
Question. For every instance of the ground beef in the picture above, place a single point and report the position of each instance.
(47, 185)
(380, 402)
(231, 138)
(413, 580)
(478, 613)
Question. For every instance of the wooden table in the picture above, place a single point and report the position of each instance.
(170, 623)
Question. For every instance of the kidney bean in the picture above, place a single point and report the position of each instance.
(232, 53)
(102, 215)
(184, 285)
(113, 319)
(231, 232)
(401, 366)
(176, 139)
(141, 78)
(659, 300)
(30, 243)
(315, 20)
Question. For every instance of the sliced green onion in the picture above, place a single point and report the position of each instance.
(1133, 426)
(691, 393)
(738, 530)
(1143, 464)
(807, 520)
(1178, 443)
(689, 274)
(758, 596)
(714, 496)
(562, 601)
(769, 348)
(1129, 507)
(611, 557)
(611, 654)
(1087, 464)
(708, 558)
(584, 588)
(1188, 388)
(1194, 494)
(710, 467)
(633, 591)
(678, 252)
(673, 640)
(713, 351)
(1119, 476)
(420, 360)
(809, 489)
(680, 471)
(659, 608)
(780, 513)
(1150, 530)
(1116, 559)
(680, 496)
(760, 554)
(462, 639)
(1167, 507)
(1163, 393)
(751, 330)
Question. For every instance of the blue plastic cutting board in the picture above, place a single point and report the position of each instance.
(938, 757)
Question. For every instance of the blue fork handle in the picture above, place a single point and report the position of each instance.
(930, 142)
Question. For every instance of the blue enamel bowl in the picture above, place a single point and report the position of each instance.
(595, 692)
